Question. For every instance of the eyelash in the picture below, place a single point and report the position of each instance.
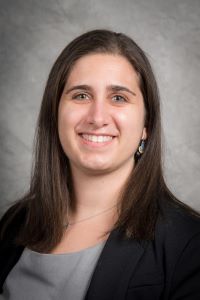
(124, 99)
(79, 97)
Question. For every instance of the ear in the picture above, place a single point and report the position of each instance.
(144, 133)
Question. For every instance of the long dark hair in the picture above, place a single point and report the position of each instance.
(51, 193)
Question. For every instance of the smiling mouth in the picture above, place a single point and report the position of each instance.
(97, 138)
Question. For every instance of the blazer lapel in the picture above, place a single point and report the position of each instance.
(114, 268)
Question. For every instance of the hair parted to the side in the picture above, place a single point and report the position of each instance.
(51, 191)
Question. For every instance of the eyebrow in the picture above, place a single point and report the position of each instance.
(114, 88)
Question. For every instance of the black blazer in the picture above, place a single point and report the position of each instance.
(166, 268)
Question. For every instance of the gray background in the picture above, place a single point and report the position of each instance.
(32, 34)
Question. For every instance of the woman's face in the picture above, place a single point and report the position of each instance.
(101, 114)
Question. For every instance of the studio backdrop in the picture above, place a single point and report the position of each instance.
(32, 34)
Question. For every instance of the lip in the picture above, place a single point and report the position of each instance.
(97, 134)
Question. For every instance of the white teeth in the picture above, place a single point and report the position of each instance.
(97, 139)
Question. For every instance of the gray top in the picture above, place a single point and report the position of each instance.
(52, 276)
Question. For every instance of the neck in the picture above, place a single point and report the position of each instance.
(95, 193)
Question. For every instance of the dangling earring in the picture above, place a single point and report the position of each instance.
(140, 150)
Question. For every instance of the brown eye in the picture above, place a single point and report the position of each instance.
(118, 98)
(81, 97)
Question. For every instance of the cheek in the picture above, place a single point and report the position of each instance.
(66, 117)
(63, 123)
(131, 122)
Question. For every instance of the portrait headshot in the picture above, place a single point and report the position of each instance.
(100, 158)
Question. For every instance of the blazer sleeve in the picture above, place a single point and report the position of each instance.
(186, 278)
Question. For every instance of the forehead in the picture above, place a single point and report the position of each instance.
(99, 68)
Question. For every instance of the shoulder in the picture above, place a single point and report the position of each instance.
(177, 236)
(11, 222)
(177, 244)
(177, 221)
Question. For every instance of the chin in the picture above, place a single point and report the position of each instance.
(97, 168)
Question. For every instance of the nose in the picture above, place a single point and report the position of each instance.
(98, 114)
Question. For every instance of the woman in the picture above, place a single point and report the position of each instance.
(99, 221)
